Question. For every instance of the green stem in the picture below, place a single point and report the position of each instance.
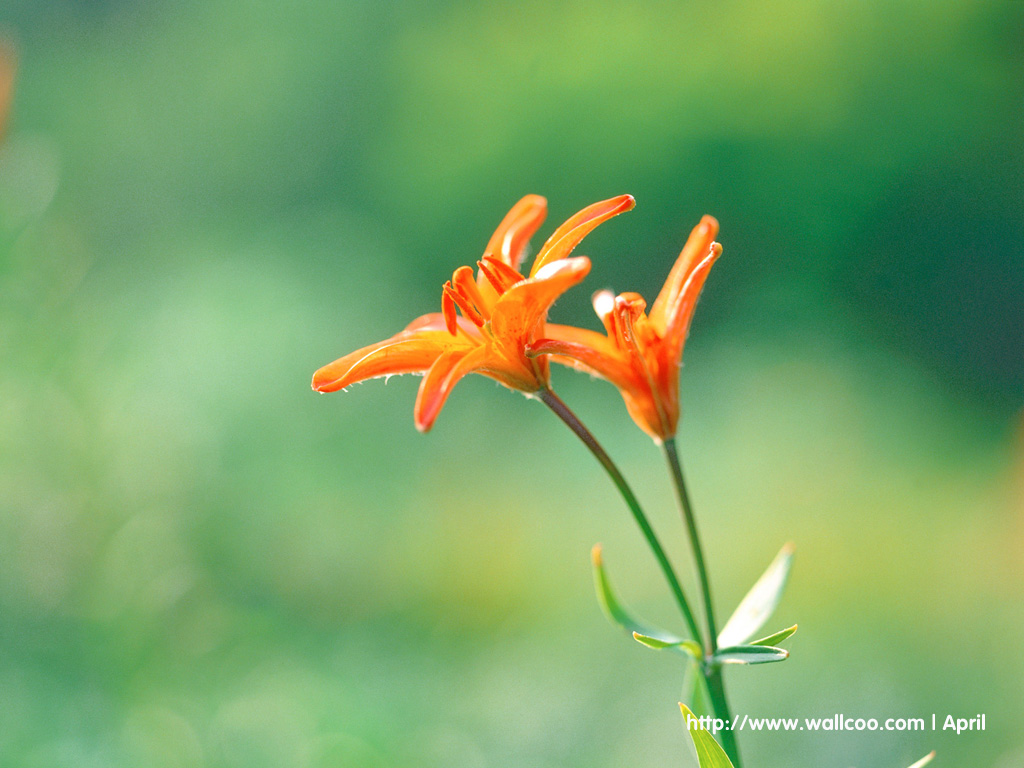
(716, 689)
(555, 403)
(712, 672)
(691, 526)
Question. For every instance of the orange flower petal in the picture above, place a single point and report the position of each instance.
(593, 353)
(522, 309)
(408, 352)
(569, 235)
(516, 229)
(442, 377)
(436, 321)
(680, 311)
(432, 321)
(600, 346)
(695, 249)
(588, 351)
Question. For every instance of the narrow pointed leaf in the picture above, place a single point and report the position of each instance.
(924, 760)
(690, 648)
(750, 654)
(617, 613)
(709, 753)
(759, 603)
(777, 638)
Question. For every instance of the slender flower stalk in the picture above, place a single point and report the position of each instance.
(712, 672)
(556, 404)
(676, 469)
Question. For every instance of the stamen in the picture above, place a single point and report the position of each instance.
(465, 285)
(448, 310)
(462, 301)
(500, 274)
(491, 277)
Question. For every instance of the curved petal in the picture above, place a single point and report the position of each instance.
(523, 307)
(679, 312)
(599, 344)
(645, 413)
(435, 321)
(442, 377)
(516, 229)
(584, 358)
(432, 321)
(696, 248)
(607, 363)
(407, 352)
(508, 243)
(569, 235)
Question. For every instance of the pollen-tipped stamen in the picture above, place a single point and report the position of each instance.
(451, 320)
(500, 275)
(464, 303)
(465, 284)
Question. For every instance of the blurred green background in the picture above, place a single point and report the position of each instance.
(202, 563)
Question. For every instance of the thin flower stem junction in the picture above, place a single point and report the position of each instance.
(556, 404)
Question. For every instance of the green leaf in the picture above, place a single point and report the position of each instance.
(690, 648)
(924, 760)
(759, 603)
(750, 654)
(709, 753)
(618, 614)
(777, 638)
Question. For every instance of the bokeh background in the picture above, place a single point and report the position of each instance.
(202, 563)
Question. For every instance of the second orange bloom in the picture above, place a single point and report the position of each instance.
(641, 352)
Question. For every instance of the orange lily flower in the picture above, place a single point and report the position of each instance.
(641, 353)
(502, 313)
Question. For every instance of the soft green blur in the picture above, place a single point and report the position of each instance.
(202, 563)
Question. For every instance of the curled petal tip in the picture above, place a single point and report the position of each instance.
(625, 202)
(322, 381)
(576, 227)
(424, 419)
(576, 266)
(328, 380)
(633, 302)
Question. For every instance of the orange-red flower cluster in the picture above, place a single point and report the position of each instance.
(502, 313)
(496, 323)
